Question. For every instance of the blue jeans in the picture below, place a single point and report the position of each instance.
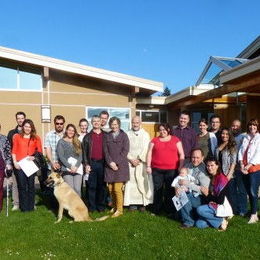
(188, 211)
(96, 187)
(241, 189)
(207, 217)
(254, 180)
(26, 190)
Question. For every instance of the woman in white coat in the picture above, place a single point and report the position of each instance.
(249, 158)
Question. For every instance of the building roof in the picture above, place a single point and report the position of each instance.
(251, 51)
(251, 67)
(71, 67)
(216, 65)
(176, 97)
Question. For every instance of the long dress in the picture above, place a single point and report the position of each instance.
(139, 189)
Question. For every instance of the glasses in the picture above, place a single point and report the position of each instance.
(59, 123)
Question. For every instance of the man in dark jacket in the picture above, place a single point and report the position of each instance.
(93, 161)
(20, 117)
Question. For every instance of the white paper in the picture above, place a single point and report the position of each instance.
(28, 166)
(180, 201)
(72, 161)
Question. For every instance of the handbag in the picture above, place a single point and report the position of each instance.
(254, 168)
(224, 210)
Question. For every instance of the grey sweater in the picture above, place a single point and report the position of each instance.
(65, 150)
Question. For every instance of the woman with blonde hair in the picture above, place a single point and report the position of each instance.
(70, 157)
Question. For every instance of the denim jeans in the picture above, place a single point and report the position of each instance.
(26, 190)
(96, 188)
(254, 180)
(207, 217)
(241, 189)
(163, 192)
(188, 211)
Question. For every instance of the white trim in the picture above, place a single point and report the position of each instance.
(20, 90)
(82, 93)
(80, 69)
(241, 70)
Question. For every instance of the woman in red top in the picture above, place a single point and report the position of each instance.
(26, 143)
(165, 156)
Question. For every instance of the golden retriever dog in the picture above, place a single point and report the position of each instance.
(68, 199)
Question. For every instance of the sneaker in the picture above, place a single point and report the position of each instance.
(223, 226)
(253, 219)
(113, 210)
(117, 214)
(15, 208)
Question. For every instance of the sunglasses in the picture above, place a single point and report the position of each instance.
(59, 123)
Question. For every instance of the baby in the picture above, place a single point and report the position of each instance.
(183, 175)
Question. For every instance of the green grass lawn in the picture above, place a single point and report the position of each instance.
(135, 235)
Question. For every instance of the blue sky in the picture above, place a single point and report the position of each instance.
(167, 40)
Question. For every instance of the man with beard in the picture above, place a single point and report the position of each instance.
(51, 141)
(20, 117)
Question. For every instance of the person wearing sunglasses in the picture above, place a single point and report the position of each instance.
(51, 141)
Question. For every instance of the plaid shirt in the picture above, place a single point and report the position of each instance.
(51, 140)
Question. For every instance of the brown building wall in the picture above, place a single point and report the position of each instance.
(8, 111)
(67, 95)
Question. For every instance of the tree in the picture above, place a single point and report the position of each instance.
(166, 92)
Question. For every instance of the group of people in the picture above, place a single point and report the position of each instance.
(215, 166)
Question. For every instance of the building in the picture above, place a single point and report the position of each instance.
(229, 87)
(43, 87)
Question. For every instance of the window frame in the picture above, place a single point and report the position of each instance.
(107, 109)
(18, 79)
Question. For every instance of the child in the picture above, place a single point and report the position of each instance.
(183, 175)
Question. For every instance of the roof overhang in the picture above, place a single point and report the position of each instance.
(250, 49)
(243, 78)
(70, 67)
(243, 70)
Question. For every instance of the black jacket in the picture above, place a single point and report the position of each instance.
(221, 197)
(10, 135)
(87, 147)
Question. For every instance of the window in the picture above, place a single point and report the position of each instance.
(122, 113)
(8, 78)
(163, 117)
(30, 80)
(152, 116)
(197, 116)
(11, 78)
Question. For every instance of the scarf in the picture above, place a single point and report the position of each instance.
(219, 183)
